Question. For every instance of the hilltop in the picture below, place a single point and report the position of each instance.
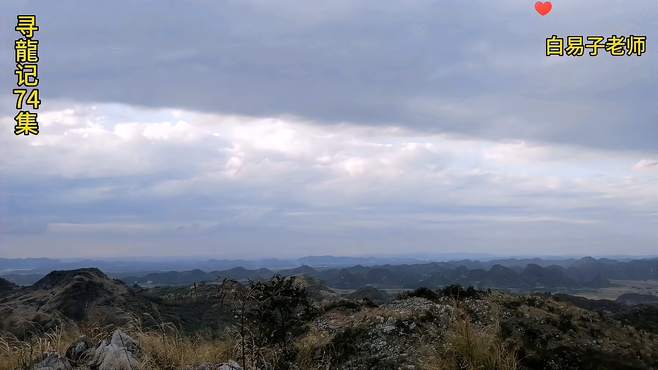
(6, 286)
(69, 298)
(300, 323)
(514, 275)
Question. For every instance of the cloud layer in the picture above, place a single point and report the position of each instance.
(259, 128)
(476, 68)
(116, 176)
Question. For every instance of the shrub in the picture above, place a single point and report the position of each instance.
(271, 315)
(471, 348)
(458, 292)
(279, 310)
(345, 344)
(421, 292)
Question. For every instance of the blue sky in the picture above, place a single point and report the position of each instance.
(261, 129)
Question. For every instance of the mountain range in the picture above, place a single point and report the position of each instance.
(88, 318)
(586, 272)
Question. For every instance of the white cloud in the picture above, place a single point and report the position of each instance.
(161, 168)
(646, 165)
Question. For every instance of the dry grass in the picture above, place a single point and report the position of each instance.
(163, 347)
(310, 347)
(20, 354)
(468, 347)
(174, 351)
(464, 346)
(471, 348)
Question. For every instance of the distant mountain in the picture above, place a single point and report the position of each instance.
(535, 275)
(130, 266)
(118, 266)
(69, 296)
(23, 279)
(333, 261)
(6, 286)
(629, 309)
(584, 273)
(515, 274)
(173, 277)
(21, 266)
(241, 273)
(16, 264)
(374, 295)
(633, 299)
(176, 327)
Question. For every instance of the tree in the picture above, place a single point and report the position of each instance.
(271, 314)
(280, 311)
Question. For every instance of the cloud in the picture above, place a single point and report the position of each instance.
(646, 165)
(456, 67)
(155, 178)
(342, 127)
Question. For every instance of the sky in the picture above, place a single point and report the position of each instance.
(255, 128)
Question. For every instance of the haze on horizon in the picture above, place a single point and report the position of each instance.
(249, 129)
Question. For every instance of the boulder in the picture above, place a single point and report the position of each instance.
(231, 365)
(120, 353)
(52, 361)
(79, 351)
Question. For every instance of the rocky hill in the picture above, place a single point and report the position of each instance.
(300, 323)
(516, 275)
(69, 297)
(632, 299)
(6, 286)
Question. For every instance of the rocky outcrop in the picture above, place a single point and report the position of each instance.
(52, 361)
(370, 293)
(632, 299)
(231, 365)
(79, 352)
(69, 298)
(487, 329)
(6, 286)
(120, 353)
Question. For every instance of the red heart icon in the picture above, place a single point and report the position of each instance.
(543, 8)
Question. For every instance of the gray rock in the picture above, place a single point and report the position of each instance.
(231, 365)
(120, 353)
(52, 361)
(79, 351)
(388, 328)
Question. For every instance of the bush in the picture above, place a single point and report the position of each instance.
(471, 348)
(271, 315)
(458, 292)
(421, 292)
(279, 311)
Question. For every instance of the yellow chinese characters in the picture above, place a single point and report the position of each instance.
(575, 46)
(26, 123)
(27, 51)
(597, 42)
(554, 46)
(32, 99)
(616, 46)
(27, 25)
(636, 45)
(27, 75)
